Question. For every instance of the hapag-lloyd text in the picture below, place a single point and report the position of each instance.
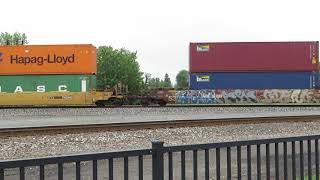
(40, 60)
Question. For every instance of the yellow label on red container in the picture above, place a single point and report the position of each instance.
(314, 61)
(203, 47)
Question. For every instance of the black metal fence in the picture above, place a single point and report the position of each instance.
(280, 158)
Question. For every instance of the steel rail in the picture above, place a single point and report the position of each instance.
(85, 128)
(167, 106)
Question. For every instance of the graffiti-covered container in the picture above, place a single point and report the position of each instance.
(253, 56)
(254, 80)
(248, 96)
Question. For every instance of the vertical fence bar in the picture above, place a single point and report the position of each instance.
(293, 153)
(218, 163)
(229, 163)
(239, 161)
(140, 167)
(125, 168)
(301, 161)
(170, 166)
(206, 164)
(1, 174)
(110, 161)
(60, 171)
(249, 162)
(258, 162)
(285, 161)
(94, 170)
(317, 158)
(276, 149)
(183, 165)
(309, 161)
(268, 161)
(41, 172)
(78, 174)
(195, 165)
(22, 173)
(157, 160)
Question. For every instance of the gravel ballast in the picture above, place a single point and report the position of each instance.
(32, 117)
(129, 112)
(61, 144)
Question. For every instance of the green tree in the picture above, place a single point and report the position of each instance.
(182, 79)
(147, 77)
(154, 83)
(118, 66)
(13, 39)
(166, 83)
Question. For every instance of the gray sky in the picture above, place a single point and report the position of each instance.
(161, 30)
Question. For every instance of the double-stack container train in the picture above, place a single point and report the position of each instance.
(54, 75)
(49, 75)
(261, 73)
(252, 72)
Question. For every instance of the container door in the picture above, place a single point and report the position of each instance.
(317, 79)
(313, 81)
(83, 85)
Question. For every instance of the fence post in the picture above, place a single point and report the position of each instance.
(1, 174)
(157, 160)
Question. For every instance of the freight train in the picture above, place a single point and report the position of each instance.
(220, 73)
(55, 75)
(253, 73)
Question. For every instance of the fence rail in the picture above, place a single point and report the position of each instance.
(279, 158)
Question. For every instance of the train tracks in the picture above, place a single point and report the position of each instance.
(168, 106)
(51, 130)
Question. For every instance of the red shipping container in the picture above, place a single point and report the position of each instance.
(254, 56)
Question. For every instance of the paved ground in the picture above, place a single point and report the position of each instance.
(13, 118)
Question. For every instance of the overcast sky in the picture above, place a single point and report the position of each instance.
(161, 30)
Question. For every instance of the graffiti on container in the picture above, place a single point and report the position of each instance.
(288, 96)
(215, 96)
(196, 97)
(236, 96)
(243, 96)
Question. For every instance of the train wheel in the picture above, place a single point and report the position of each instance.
(99, 104)
(119, 102)
(116, 102)
(162, 103)
(145, 103)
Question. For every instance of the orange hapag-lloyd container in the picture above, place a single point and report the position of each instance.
(48, 59)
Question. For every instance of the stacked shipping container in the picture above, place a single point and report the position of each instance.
(255, 65)
(45, 68)
(253, 80)
(47, 83)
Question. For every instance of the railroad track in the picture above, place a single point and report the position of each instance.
(170, 105)
(51, 130)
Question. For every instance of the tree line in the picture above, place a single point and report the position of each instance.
(116, 66)
(13, 39)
